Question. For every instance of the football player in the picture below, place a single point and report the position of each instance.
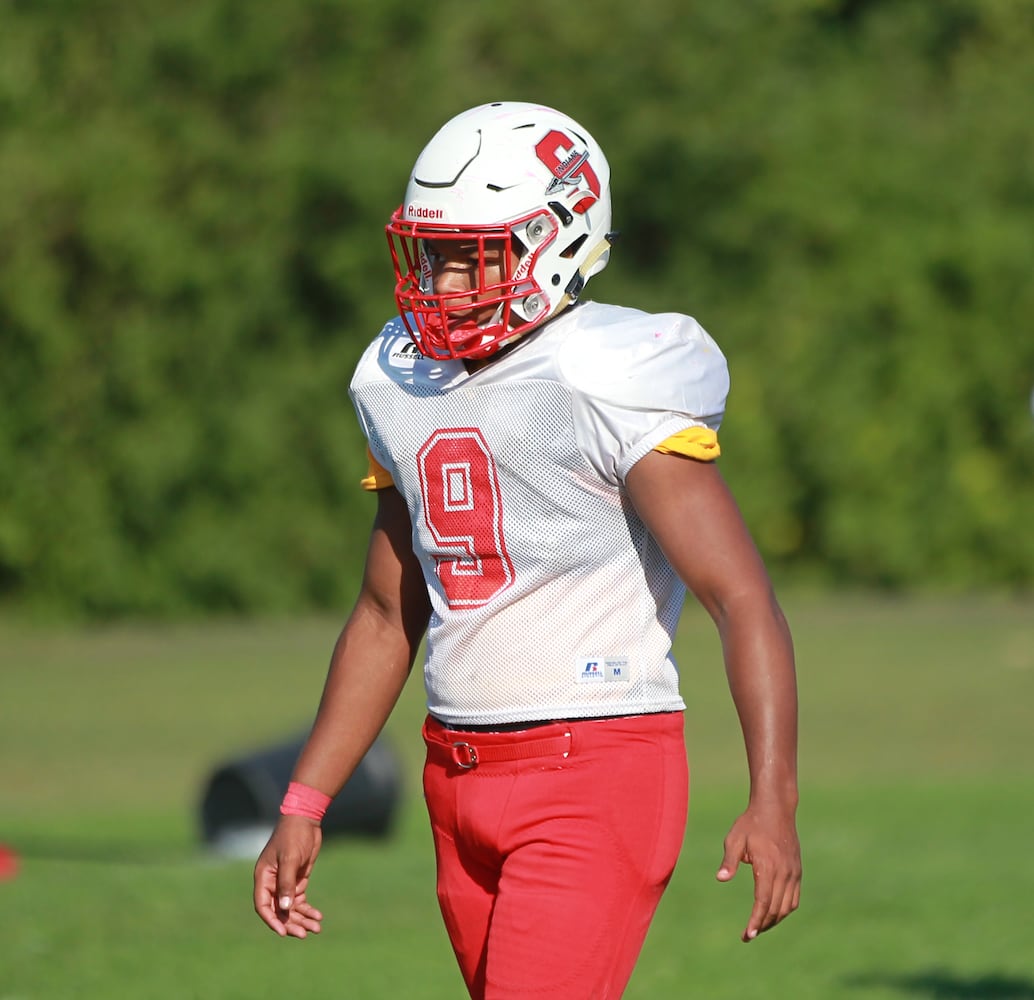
(546, 486)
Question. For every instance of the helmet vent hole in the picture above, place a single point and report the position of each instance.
(562, 213)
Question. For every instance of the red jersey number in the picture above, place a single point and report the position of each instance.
(464, 514)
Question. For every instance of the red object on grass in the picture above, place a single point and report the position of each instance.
(8, 863)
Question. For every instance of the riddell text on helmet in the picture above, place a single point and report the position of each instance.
(419, 212)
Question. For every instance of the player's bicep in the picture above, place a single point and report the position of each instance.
(693, 516)
(393, 583)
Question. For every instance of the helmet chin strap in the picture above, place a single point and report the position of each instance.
(577, 283)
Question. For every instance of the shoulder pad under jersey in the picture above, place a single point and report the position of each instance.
(663, 361)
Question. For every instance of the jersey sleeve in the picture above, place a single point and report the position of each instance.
(377, 477)
(643, 382)
(371, 369)
(700, 443)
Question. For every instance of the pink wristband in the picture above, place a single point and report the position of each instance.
(301, 800)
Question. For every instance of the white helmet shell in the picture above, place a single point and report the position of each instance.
(520, 172)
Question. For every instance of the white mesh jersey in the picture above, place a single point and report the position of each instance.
(550, 599)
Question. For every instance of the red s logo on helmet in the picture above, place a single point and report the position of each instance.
(570, 167)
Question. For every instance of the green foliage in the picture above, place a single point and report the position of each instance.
(193, 258)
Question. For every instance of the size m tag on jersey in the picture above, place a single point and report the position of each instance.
(603, 670)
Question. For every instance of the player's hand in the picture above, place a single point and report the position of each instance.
(282, 877)
(766, 839)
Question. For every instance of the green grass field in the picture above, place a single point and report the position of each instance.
(917, 819)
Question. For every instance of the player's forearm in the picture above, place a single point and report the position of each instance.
(759, 662)
(368, 670)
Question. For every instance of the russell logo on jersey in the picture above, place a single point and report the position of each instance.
(407, 352)
(603, 669)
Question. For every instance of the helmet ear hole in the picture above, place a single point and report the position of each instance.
(572, 248)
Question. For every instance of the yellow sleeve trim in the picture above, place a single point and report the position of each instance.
(700, 443)
(378, 477)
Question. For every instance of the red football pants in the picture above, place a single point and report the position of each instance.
(551, 864)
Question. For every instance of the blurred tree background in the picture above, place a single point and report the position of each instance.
(192, 202)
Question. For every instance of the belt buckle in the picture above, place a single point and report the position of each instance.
(465, 755)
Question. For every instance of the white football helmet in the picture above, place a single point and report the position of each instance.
(519, 173)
